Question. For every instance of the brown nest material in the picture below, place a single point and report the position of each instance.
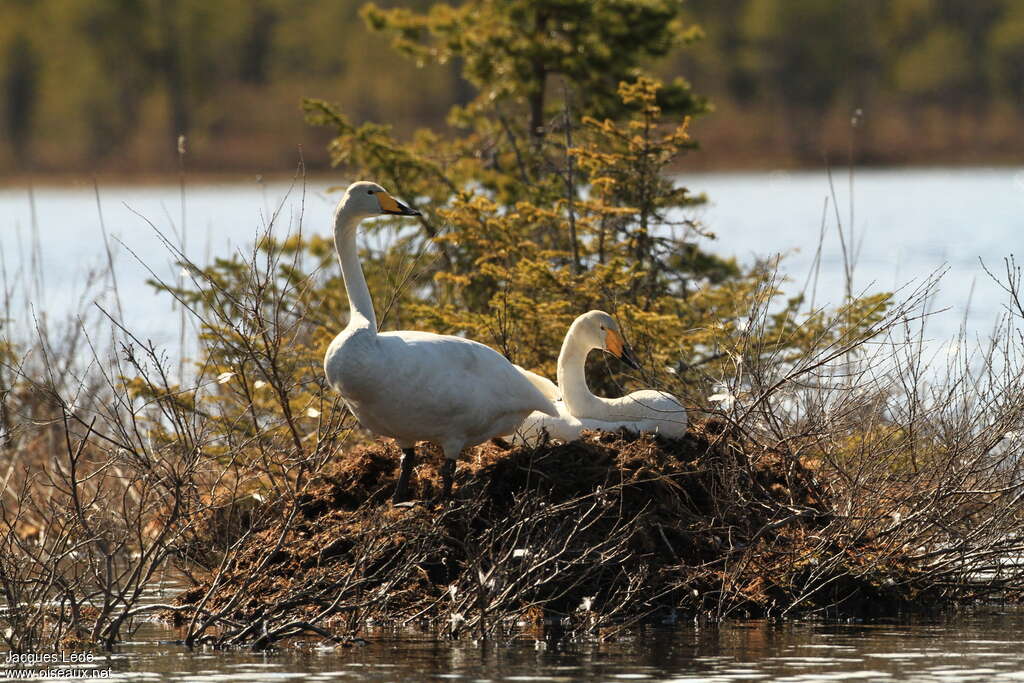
(595, 534)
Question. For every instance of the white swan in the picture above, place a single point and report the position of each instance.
(417, 386)
(641, 411)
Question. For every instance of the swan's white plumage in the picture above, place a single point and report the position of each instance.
(416, 386)
(546, 386)
(647, 410)
(563, 427)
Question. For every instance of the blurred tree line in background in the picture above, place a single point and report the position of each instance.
(110, 85)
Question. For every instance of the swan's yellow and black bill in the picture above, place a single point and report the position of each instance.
(389, 204)
(628, 358)
(617, 346)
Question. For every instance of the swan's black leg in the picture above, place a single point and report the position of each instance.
(402, 488)
(447, 474)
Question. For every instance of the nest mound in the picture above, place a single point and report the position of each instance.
(611, 529)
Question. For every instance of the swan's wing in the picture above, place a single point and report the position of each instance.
(648, 411)
(467, 375)
(546, 386)
(641, 411)
(652, 402)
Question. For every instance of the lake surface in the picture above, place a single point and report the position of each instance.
(980, 646)
(906, 224)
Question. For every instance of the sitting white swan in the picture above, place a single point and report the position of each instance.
(417, 386)
(641, 411)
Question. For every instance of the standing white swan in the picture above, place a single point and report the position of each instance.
(641, 411)
(417, 386)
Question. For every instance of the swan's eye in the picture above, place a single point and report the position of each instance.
(369, 192)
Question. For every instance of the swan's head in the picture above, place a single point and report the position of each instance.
(598, 330)
(364, 199)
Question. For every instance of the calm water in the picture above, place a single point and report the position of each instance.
(906, 224)
(982, 646)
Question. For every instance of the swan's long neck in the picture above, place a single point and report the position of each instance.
(572, 378)
(359, 301)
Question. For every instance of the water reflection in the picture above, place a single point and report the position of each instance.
(975, 647)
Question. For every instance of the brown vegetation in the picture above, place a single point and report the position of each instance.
(584, 538)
